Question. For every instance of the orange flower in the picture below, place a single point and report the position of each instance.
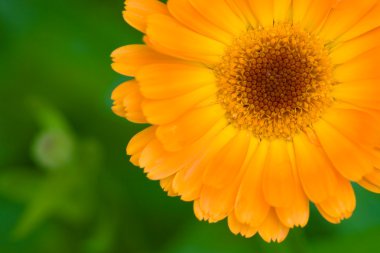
(256, 107)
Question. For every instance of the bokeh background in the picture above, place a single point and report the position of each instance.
(65, 182)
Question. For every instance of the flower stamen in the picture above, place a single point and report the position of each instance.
(275, 81)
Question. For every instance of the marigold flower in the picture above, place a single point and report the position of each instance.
(256, 107)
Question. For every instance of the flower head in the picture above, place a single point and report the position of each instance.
(256, 107)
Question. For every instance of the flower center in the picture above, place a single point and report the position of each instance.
(275, 81)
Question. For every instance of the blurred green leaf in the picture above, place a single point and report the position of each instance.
(48, 117)
(365, 241)
(216, 238)
(103, 236)
(69, 193)
(19, 184)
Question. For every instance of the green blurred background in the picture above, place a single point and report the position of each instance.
(65, 182)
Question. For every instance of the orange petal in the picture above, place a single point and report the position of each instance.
(315, 170)
(216, 203)
(272, 230)
(347, 157)
(237, 227)
(369, 21)
(242, 9)
(226, 165)
(355, 47)
(190, 46)
(300, 8)
(331, 219)
(166, 185)
(220, 14)
(185, 13)
(282, 10)
(172, 162)
(316, 14)
(161, 81)
(197, 210)
(371, 181)
(362, 126)
(188, 181)
(296, 214)
(127, 102)
(219, 202)
(150, 154)
(341, 204)
(362, 67)
(343, 16)
(278, 178)
(364, 93)
(129, 59)
(137, 11)
(251, 207)
(139, 142)
(202, 151)
(263, 11)
(163, 112)
(182, 132)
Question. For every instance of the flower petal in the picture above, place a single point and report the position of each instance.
(167, 185)
(182, 132)
(341, 205)
(316, 14)
(242, 8)
(297, 214)
(263, 11)
(315, 170)
(331, 219)
(150, 154)
(347, 157)
(129, 59)
(355, 47)
(343, 16)
(237, 227)
(138, 142)
(369, 22)
(364, 93)
(226, 165)
(251, 207)
(278, 178)
(185, 13)
(217, 203)
(371, 181)
(137, 11)
(128, 102)
(171, 163)
(300, 8)
(190, 46)
(362, 128)
(163, 112)
(282, 10)
(220, 15)
(161, 81)
(362, 67)
(272, 230)
(188, 181)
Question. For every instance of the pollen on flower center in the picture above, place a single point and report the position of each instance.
(275, 81)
